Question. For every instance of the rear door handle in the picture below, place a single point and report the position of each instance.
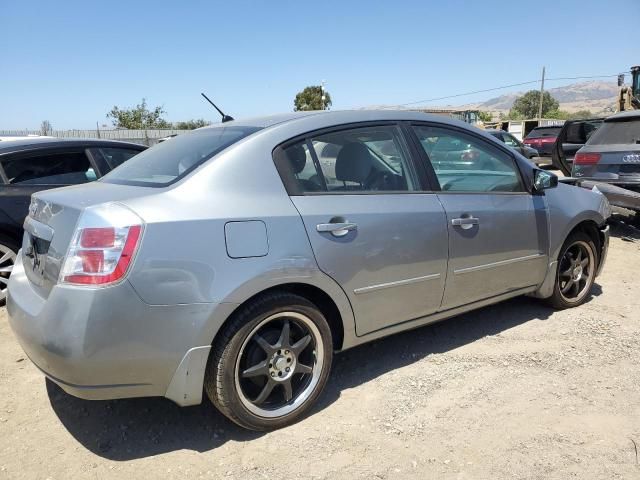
(465, 222)
(338, 229)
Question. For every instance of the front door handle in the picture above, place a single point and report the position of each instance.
(338, 229)
(465, 222)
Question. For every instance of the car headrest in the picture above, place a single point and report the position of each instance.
(353, 163)
(297, 157)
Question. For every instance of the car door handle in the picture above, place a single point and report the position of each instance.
(338, 229)
(465, 222)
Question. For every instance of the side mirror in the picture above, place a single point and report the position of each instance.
(543, 180)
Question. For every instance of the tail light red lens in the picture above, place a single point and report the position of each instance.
(97, 237)
(586, 158)
(101, 254)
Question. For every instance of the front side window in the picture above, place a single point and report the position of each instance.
(169, 161)
(359, 160)
(464, 163)
(54, 168)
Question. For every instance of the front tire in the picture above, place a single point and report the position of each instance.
(577, 266)
(270, 363)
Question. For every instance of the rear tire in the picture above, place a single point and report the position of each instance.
(577, 265)
(8, 252)
(270, 362)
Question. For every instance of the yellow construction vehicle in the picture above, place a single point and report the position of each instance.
(629, 96)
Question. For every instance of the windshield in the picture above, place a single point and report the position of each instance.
(544, 132)
(171, 160)
(616, 133)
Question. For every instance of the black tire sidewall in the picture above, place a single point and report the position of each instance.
(237, 333)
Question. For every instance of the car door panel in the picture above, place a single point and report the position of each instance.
(504, 251)
(498, 233)
(393, 265)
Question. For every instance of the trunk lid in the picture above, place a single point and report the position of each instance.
(51, 223)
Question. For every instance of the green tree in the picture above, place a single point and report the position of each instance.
(485, 116)
(139, 117)
(311, 99)
(528, 104)
(191, 124)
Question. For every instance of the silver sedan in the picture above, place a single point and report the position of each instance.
(235, 260)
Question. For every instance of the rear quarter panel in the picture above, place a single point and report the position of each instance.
(184, 257)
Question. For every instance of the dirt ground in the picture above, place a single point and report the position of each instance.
(515, 390)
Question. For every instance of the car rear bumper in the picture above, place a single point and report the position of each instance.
(104, 343)
(625, 193)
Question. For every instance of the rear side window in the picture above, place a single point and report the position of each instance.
(49, 169)
(627, 133)
(463, 163)
(544, 132)
(359, 160)
(112, 156)
(581, 132)
(173, 159)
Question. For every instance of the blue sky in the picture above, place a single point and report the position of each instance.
(71, 61)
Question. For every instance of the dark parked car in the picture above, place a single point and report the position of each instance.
(572, 137)
(542, 139)
(611, 157)
(30, 165)
(514, 143)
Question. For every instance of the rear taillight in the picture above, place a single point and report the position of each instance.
(586, 158)
(103, 246)
(548, 140)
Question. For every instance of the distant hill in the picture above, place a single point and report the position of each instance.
(594, 96)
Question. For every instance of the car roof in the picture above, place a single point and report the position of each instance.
(336, 117)
(624, 116)
(540, 127)
(37, 143)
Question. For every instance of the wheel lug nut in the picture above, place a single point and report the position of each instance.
(286, 352)
(288, 369)
(288, 360)
(279, 374)
(273, 374)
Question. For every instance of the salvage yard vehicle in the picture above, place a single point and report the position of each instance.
(609, 160)
(513, 142)
(32, 164)
(280, 264)
(542, 139)
(572, 137)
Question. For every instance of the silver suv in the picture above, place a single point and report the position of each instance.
(237, 259)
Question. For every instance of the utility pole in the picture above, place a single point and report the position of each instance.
(322, 99)
(541, 97)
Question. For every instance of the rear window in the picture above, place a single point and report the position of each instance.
(170, 161)
(617, 133)
(544, 132)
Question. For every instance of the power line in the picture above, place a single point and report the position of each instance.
(503, 87)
